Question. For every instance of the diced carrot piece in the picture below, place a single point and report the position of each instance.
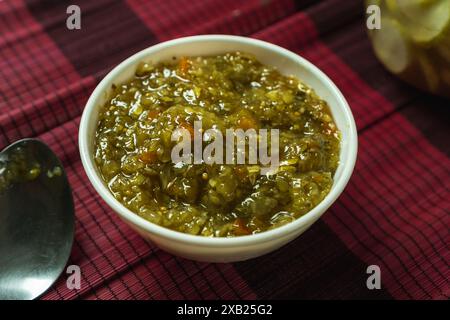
(152, 114)
(183, 65)
(148, 157)
(241, 172)
(240, 228)
(247, 122)
(189, 128)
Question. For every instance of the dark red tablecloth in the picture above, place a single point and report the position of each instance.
(394, 212)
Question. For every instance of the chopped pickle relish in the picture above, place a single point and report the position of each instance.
(133, 145)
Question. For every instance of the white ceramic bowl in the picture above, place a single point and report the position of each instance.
(222, 249)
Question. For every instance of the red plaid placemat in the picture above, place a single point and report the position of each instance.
(394, 213)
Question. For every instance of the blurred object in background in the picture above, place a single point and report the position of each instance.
(414, 42)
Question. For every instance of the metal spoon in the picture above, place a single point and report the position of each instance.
(36, 219)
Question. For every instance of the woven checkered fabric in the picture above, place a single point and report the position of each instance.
(394, 212)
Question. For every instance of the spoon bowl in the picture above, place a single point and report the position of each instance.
(36, 219)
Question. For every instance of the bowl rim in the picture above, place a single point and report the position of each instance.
(265, 236)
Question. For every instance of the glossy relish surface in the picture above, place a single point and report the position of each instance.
(133, 145)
